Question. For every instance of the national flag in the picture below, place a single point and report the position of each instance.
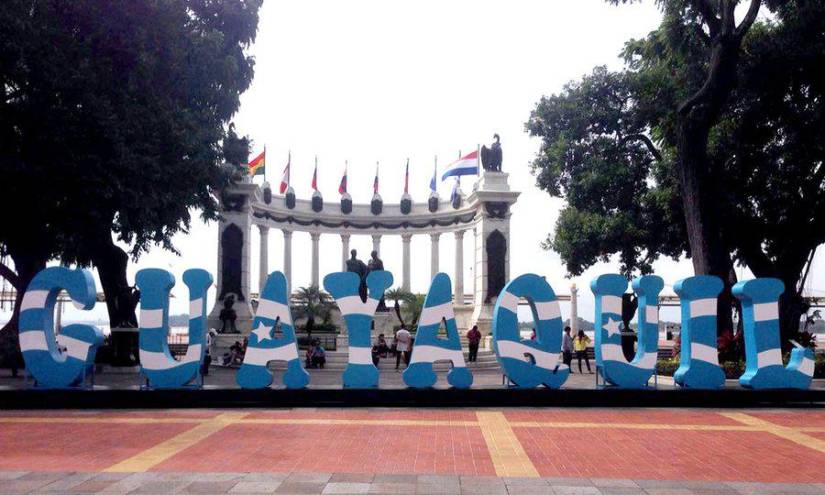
(407, 178)
(285, 177)
(375, 183)
(435, 175)
(466, 165)
(315, 176)
(258, 165)
(454, 194)
(342, 187)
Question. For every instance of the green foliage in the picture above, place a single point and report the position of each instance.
(405, 304)
(819, 366)
(235, 148)
(667, 367)
(312, 303)
(596, 154)
(611, 147)
(112, 116)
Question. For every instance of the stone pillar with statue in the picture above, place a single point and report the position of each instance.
(493, 200)
(232, 312)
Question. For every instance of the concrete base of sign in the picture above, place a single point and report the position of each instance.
(120, 370)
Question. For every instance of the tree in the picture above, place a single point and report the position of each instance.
(112, 117)
(312, 303)
(413, 308)
(706, 143)
(400, 296)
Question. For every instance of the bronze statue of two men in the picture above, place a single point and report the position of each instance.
(358, 267)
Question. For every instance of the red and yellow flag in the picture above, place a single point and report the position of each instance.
(258, 164)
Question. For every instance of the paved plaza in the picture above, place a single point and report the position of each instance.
(487, 451)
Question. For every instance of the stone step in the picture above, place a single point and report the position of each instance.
(336, 356)
(388, 365)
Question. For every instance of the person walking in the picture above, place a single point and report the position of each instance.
(580, 344)
(473, 339)
(403, 339)
(567, 348)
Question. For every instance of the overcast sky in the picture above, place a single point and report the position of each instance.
(369, 81)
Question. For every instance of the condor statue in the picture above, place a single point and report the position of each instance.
(491, 157)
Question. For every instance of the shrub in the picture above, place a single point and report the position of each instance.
(667, 367)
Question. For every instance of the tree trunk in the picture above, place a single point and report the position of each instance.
(397, 308)
(702, 201)
(27, 265)
(121, 300)
(791, 308)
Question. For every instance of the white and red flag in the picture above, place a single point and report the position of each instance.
(342, 187)
(315, 176)
(285, 176)
(407, 178)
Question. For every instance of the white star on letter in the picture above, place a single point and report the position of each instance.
(612, 327)
(263, 332)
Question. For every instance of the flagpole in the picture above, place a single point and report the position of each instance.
(264, 164)
(478, 160)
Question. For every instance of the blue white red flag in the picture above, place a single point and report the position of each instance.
(466, 165)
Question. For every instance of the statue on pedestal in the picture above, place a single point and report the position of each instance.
(358, 267)
(228, 316)
(491, 157)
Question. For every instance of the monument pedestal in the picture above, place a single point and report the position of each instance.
(234, 248)
(243, 318)
(463, 317)
(492, 198)
(483, 317)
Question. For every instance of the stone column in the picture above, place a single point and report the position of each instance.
(344, 251)
(475, 258)
(433, 255)
(574, 309)
(376, 243)
(315, 267)
(459, 267)
(263, 267)
(405, 244)
(288, 260)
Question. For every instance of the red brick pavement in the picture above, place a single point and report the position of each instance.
(591, 443)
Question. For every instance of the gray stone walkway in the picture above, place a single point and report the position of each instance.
(18, 483)
(225, 378)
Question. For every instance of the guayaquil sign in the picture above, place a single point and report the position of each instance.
(527, 363)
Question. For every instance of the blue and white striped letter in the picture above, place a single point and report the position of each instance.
(429, 348)
(43, 353)
(609, 355)
(760, 318)
(156, 362)
(360, 372)
(699, 359)
(529, 363)
(263, 346)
